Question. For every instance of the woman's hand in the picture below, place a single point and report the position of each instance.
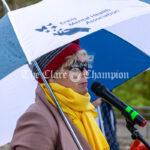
(97, 102)
(136, 146)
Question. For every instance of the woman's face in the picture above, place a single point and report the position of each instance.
(73, 78)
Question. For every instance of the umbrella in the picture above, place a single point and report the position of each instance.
(22, 47)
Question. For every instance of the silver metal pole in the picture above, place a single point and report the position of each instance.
(53, 96)
(59, 108)
(101, 122)
(5, 5)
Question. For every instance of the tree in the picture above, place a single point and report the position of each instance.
(136, 91)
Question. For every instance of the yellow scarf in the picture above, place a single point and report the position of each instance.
(80, 111)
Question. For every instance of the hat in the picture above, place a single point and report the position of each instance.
(51, 61)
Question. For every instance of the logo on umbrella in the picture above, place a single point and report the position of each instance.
(59, 31)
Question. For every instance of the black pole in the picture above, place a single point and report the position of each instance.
(135, 134)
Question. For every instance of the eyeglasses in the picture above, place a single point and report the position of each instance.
(78, 65)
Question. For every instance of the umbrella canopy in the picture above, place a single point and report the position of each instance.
(47, 32)
(28, 39)
(121, 52)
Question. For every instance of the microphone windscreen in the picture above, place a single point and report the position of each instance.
(97, 88)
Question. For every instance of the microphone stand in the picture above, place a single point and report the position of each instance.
(135, 134)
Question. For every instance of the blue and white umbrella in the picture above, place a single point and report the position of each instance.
(120, 51)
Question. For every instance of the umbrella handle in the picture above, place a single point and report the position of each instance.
(53, 96)
(59, 108)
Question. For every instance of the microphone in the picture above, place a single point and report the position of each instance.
(130, 114)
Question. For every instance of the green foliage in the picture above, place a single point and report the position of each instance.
(136, 91)
(15, 4)
(1, 9)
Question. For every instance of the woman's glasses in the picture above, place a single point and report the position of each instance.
(78, 65)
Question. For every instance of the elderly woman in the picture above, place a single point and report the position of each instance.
(41, 126)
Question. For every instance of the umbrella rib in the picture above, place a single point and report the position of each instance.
(6, 5)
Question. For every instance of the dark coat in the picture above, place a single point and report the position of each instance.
(42, 128)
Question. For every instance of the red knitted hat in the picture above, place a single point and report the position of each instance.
(51, 61)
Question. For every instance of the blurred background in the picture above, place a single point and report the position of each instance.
(134, 92)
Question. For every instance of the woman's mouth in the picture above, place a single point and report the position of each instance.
(84, 83)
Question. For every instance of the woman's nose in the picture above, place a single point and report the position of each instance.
(85, 73)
